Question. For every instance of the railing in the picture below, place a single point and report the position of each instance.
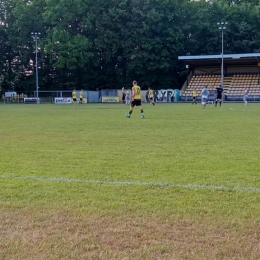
(226, 98)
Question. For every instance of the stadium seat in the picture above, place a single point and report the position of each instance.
(235, 86)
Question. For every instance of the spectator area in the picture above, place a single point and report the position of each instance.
(234, 83)
(242, 80)
(198, 81)
(240, 71)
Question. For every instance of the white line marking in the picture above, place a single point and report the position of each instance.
(158, 184)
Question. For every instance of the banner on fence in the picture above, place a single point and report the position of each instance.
(110, 99)
(62, 100)
(31, 100)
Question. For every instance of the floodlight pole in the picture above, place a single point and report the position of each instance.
(187, 68)
(36, 37)
(222, 27)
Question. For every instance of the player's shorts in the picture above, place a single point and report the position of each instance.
(204, 100)
(80, 99)
(136, 102)
(219, 97)
(194, 98)
(74, 99)
(151, 98)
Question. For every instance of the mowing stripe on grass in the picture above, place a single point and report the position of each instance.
(159, 184)
(244, 110)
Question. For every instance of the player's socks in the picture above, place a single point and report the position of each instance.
(220, 103)
(130, 112)
(216, 103)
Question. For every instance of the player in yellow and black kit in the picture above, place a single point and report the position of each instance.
(81, 96)
(136, 100)
(150, 94)
(74, 97)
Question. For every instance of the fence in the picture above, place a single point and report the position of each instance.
(104, 95)
(226, 98)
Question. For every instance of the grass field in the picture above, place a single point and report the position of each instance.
(87, 183)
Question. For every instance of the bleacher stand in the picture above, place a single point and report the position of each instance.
(199, 81)
(234, 85)
(241, 81)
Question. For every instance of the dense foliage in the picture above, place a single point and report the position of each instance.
(107, 43)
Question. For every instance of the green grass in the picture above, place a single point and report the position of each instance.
(175, 143)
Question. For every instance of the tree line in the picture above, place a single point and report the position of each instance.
(94, 44)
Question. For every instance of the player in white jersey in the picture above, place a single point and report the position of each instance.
(204, 96)
(246, 95)
(127, 98)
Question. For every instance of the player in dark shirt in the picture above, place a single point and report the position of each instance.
(219, 96)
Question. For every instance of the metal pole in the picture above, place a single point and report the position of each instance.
(187, 77)
(36, 66)
(36, 37)
(222, 62)
(187, 68)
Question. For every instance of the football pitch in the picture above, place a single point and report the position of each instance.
(85, 182)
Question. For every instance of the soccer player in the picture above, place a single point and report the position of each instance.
(219, 96)
(74, 97)
(127, 98)
(150, 93)
(136, 100)
(123, 95)
(204, 96)
(246, 95)
(81, 96)
(194, 97)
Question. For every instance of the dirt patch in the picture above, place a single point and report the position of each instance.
(36, 234)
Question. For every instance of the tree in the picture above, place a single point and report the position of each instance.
(107, 44)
